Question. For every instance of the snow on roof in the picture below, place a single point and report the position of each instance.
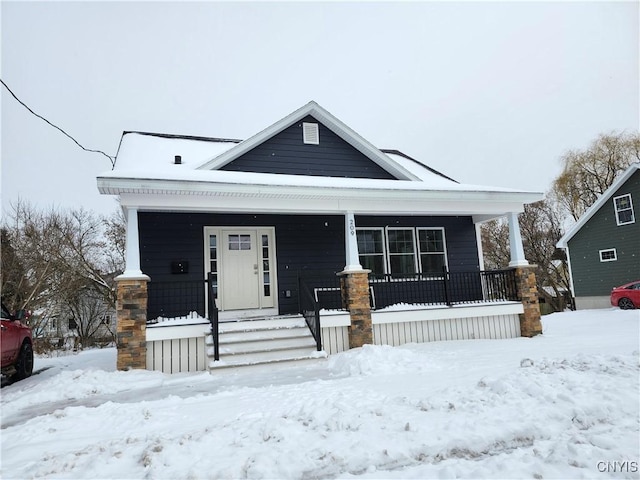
(155, 153)
(147, 156)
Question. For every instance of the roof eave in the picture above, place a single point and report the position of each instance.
(121, 185)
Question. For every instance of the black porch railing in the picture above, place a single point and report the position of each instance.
(176, 299)
(309, 308)
(448, 288)
(212, 312)
(321, 290)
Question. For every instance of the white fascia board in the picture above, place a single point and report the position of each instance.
(591, 211)
(329, 121)
(374, 203)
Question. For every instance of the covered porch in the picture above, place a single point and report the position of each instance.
(178, 325)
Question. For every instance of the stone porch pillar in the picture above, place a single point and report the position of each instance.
(131, 331)
(354, 287)
(355, 296)
(131, 304)
(530, 324)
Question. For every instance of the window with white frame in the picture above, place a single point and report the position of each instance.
(433, 251)
(608, 255)
(624, 209)
(402, 252)
(371, 249)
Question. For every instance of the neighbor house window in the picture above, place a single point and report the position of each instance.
(624, 209)
(371, 250)
(402, 256)
(608, 255)
(433, 253)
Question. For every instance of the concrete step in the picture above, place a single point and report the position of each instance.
(262, 324)
(270, 358)
(263, 341)
(261, 335)
(265, 344)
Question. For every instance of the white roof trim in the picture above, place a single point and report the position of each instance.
(329, 121)
(590, 212)
(370, 197)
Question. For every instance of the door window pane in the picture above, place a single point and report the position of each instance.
(239, 242)
(266, 270)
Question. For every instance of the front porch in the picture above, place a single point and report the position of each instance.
(187, 337)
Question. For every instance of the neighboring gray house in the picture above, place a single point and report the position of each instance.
(603, 248)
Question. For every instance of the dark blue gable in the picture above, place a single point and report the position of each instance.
(285, 153)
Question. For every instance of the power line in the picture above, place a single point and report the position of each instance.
(111, 159)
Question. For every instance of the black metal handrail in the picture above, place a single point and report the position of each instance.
(447, 288)
(212, 312)
(310, 310)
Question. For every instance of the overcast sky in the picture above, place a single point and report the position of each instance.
(487, 93)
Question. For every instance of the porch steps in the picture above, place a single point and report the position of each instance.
(263, 341)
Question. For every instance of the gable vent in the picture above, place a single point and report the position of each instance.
(310, 133)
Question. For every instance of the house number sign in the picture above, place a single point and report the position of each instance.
(352, 227)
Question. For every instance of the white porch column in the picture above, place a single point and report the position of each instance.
(351, 243)
(132, 256)
(515, 242)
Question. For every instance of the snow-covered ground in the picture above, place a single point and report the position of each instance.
(561, 405)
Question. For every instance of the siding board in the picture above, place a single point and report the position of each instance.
(285, 153)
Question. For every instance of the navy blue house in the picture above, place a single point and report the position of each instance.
(307, 197)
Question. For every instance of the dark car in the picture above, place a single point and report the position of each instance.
(626, 296)
(17, 346)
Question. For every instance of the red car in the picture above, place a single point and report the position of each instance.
(626, 296)
(17, 346)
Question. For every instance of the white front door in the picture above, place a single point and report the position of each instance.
(240, 270)
(242, 261)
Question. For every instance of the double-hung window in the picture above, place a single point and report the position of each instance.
(624, 209)
(371, 250)
(402, 251)
(433, 252)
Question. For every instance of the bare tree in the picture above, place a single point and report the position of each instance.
(495, 244)
(61, 264)
(540, 226)
(588, 173)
